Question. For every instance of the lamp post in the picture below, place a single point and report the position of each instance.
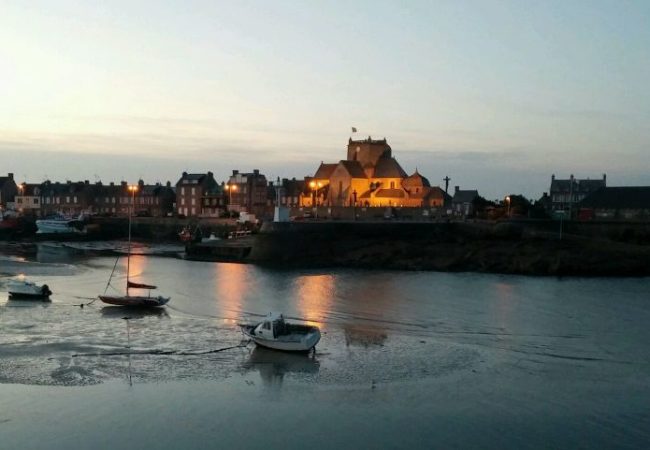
(508, 205)
(354, 205)
(315, 187)
(230, 188)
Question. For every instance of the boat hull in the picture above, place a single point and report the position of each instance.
(306, 343)
(134, 300)
(54, 226)
(28, 290)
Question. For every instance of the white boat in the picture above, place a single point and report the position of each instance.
(275, 333)
(139, 301)
(60, 224)
(27, 290)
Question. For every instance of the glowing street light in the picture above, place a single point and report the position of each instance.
(508, 204)
(230, 188)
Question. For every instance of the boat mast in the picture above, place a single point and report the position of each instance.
(132, 189)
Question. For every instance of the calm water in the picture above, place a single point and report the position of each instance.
(407, 360)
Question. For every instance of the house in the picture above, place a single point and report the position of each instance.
(565, 194)
(616, 203)
(462, 203)
(215, 201)
(191, 189)
(69, 198)
(8, 191)
(28, 199)
(248, 192)
(154, 200)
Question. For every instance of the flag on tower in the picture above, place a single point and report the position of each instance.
(354, 129)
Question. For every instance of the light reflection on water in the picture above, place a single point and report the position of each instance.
(417, 347)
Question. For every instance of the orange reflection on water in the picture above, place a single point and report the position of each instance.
(315, 295)
(136, 265)
(230, 285)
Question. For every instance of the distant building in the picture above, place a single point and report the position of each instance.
(154, 200)
(191, 189)
(565, 194)
(370, 176)
(69, 198)
(616, 203)
(28, 199)
(215, 201)
(8, 191)
(462, 203)
(248, 192)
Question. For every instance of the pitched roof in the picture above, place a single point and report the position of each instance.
(353, 168)
(628, 197)
(464, 196)
(324, 171)
(585, 186)
(388, 167)
(416, 180)
(390, 193)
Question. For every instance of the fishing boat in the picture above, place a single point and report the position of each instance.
(140, 301)
(22, 289)
(61, 224)
(275, 333)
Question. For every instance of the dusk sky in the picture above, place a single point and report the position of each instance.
(498, 95)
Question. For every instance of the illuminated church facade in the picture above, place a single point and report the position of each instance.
(371, 176)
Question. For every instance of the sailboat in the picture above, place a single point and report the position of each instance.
(128, 299)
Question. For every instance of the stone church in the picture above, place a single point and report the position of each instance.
(371, 176)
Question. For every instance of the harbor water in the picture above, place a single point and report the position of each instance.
(406, 359)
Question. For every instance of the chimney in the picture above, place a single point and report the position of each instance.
(86, 182)
(456, 189)
(605, 178)
(141, 182)
(235, 172)
(10, 176)
(256, 172)
(169, 184)
(552, 177)
(184, 174)
(571, 177)
(210, 175)
(112, 184)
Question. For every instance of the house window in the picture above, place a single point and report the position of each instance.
(67, 199)
(19, 201)
(182, 191)
(74, 199)
(193, 211)
(193, 191)
(392, 185)
(182, 200)
(36, 201)
(193, 201)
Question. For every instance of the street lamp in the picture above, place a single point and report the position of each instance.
(508, 204)
(315, 187)
(230, 188)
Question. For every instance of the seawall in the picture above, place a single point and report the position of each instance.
(507, 247)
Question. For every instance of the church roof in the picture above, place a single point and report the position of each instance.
(388, 167)
(324, 172)
(416, 180)
(354, 168)
(390, 193)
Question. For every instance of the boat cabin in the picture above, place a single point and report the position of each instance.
(272, 326)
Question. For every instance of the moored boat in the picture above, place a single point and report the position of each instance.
(138, 301)
(275, 333)
(61, 224)
(27, 290)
